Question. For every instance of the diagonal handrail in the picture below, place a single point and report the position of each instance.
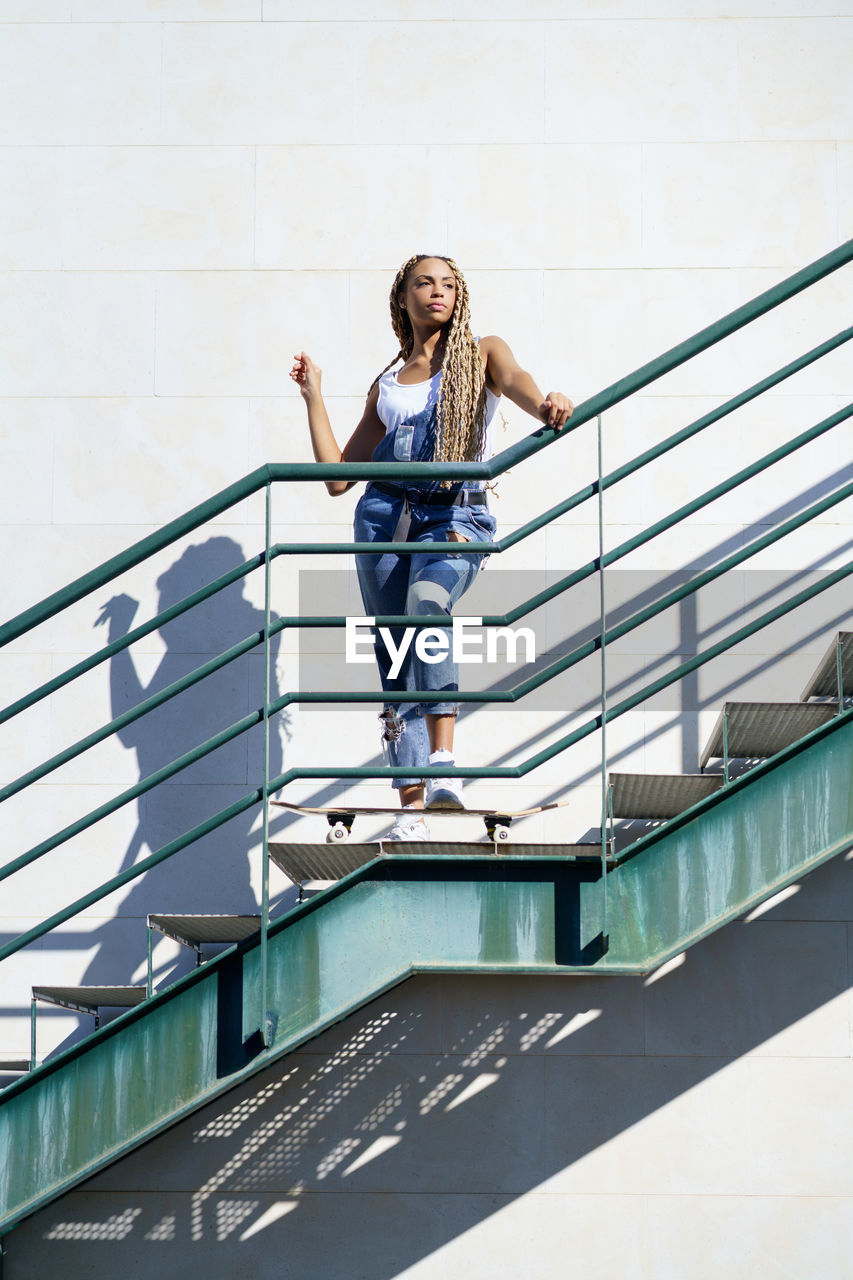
(349, 696)
(540, 439)
(502, 544)
(433, 620)
(497, 771)
(263, 477)
(159, 620)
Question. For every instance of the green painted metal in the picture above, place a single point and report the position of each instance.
(585, 412)
(753, 838)
(482, 912)
(602, 644)
(135, 713)
(677, 438)
(506, 771)
(250, 642)
(519, 611)
(124, 642)
(265, 1017)
(343, 696)
(406, 913)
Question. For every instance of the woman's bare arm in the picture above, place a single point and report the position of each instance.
(504, 376)
(361, 444)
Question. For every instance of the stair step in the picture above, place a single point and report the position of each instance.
(654, 795)
(16, 1066)
(194, 930)
(824, 682)
(763, 728)
(91, 999)
(302, 863)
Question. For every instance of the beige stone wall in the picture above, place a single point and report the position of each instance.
(194, 189)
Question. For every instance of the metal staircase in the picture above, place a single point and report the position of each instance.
(744, 731)
(716, 845)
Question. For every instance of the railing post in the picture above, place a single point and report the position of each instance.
(605, 799)
(266, 1026)
(33, 1034)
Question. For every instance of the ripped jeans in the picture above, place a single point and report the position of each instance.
(422, 583)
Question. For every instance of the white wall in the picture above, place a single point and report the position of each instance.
(692, 1124)
(195, 189)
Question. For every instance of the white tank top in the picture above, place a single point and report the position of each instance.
(398, 402)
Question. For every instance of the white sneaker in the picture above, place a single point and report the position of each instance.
(443, 793)
(409, 825)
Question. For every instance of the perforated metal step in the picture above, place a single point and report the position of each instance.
(91, 999)
(302, 863)
(760, 729)
(195, 930)
(824, 682)
(653, 795)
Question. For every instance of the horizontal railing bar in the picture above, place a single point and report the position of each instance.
(506, 771)
(592, 645)
(680, 513)
(142, 708)
(348, 696)
(693, 346)
(132, 793)
(532, 526)
(138, 633)
(702, 579)
(725, 409)
(139, 868)
(650, 455)
(590, 726)
(599, 403)
(502, 544)
(378, 548)
(539, 439)
(612, 556)
(728, 642)
(133, 555)
(726, 486)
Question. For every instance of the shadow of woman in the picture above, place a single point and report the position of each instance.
(213, 875)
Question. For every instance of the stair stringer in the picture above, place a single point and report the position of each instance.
(735, 850)
(409, 913)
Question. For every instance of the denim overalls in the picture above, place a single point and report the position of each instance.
(422, 583)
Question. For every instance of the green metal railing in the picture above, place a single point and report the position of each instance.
(263, 479)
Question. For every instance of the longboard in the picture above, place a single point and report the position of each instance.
(341, 817)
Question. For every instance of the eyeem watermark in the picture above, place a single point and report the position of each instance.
(465, 641)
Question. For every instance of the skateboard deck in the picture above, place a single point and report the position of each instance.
(342, 817)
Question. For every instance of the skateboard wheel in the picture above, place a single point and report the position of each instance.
(337, 833)
(501, 835)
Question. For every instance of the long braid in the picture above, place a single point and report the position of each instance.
(461, 433)
(461, 430)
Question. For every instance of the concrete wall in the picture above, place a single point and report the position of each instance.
(195, 189)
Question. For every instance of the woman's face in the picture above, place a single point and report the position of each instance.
(429, 294)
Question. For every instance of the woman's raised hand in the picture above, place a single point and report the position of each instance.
(306, 374)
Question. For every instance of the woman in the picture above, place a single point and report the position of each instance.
(438, 406)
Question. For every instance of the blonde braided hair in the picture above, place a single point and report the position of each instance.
(461, 415)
